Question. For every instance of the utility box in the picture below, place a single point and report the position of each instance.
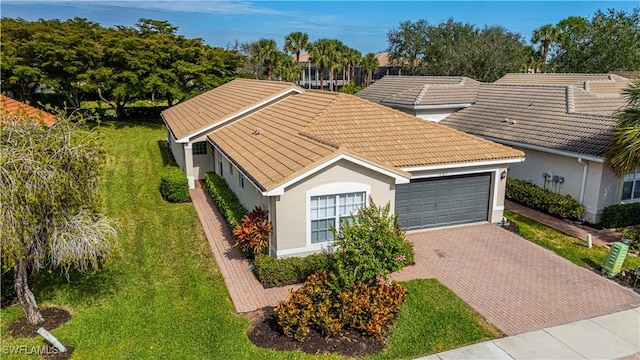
(618, 252)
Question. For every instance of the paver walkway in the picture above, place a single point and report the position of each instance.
(598, 237)
(516, 285)
(246, 291)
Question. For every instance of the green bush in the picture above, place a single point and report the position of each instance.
(537, 198)
(621, 215)
(225, 199)
(351, 88)
(369, 245)
(294, 270)
(7, 290)
(174, 185)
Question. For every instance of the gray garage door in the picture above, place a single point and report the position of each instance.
(443, 201)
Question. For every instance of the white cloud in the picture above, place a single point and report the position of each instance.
(223, 7)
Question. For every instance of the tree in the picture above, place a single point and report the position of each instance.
(546, 36)
(369, 65)
(287, 69)
(50, 202)
(321, 52)
(624, 153)
(408, 45)
(606, 42)
(265, 52)
(295, 42)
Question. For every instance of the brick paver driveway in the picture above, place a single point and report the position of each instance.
(515, 284)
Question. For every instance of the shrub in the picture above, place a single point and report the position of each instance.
(276, 272)
(363, 307)
(621, 215)
(368, 245)
(351, 88)
(174, 185)
(633, 236)
(525, 193)
(225, 199)
(252, 234)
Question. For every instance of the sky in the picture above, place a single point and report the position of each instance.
(362, 25)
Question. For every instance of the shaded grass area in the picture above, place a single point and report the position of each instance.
(565, 245)
(162, 295)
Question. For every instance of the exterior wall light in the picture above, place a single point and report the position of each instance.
(503, 175)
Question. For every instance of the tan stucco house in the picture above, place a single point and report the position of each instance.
(310, 157)
(563, 123)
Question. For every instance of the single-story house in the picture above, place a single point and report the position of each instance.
(12, 107)
(310, 157)
(563, 123)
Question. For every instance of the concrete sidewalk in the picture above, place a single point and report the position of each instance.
(613, 336)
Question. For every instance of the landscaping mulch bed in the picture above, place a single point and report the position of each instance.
(265, 332)
(53, 317)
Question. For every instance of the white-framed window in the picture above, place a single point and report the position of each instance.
(631, 185)
(326, 211)
(199, 148)
(241, 180)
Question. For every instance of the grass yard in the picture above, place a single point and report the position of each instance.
(565, 245)
(162, 296)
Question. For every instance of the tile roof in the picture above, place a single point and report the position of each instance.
(9, 107)
(627, 74)
(285, 139)
(225, 101)
(595, 83)
(421, 90)
(554, 117)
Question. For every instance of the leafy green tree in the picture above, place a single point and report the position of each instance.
(606, 42)
(546, 35)
(50, 202)
(265, 52)
(369, 64)
(17, 71)
(295, 43)
(624, 153)
(408, 45)
(287, 69)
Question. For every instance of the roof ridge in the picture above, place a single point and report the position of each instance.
(605, 96)
(558, 86)
(559, 74)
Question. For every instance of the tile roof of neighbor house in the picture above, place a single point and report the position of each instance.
(290, 137)
(9, 106)
(595, 83)
(195, 115)
(564, 118)
(421, 90)
(627, 74)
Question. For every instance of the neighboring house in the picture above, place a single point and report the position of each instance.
(11, 107)
(563, 123)
(428, 97)
(310, 157)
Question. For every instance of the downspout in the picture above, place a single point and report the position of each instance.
(583, 185)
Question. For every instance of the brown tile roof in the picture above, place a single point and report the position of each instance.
(552, 117)
(627, 74)
(595, 83)
(10, 107)
(290, 137)
(225, 101)
(383, 59)
(421, 90)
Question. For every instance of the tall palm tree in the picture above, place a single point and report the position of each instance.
(624, 153)
(320, 52)
(294, 43)
(546, 35)
(265, 52)
(287, 69)
(354, 59)
(337, 47)
(369, 65)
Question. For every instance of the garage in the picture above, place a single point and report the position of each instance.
(425, 203)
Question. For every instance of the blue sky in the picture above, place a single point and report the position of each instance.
(359, 24)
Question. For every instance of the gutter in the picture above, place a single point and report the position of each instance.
(425, 107)
(583, 184)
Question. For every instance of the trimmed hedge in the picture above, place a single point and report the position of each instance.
(537, 198)
(273, 272)
(225, 199)
(174, 185)
(621, 215)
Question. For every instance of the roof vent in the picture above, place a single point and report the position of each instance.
(510, 121)
(200, 111)
(257, 131)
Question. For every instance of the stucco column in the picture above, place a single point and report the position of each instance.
(188, 165)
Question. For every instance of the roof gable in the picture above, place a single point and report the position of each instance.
(421, 90)
(11, 107)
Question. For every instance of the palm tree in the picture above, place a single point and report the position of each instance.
(296, 42)
(369, 64)
(354, 59)
(287, 69)
(337, 47)
(320, 52)
(265, 52)
(623, 154)
(546, 35)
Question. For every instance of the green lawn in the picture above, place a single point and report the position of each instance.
(162, 296)
(565, 245)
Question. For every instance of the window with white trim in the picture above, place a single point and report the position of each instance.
(199, 148)
(631, 185)
(326, 210)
